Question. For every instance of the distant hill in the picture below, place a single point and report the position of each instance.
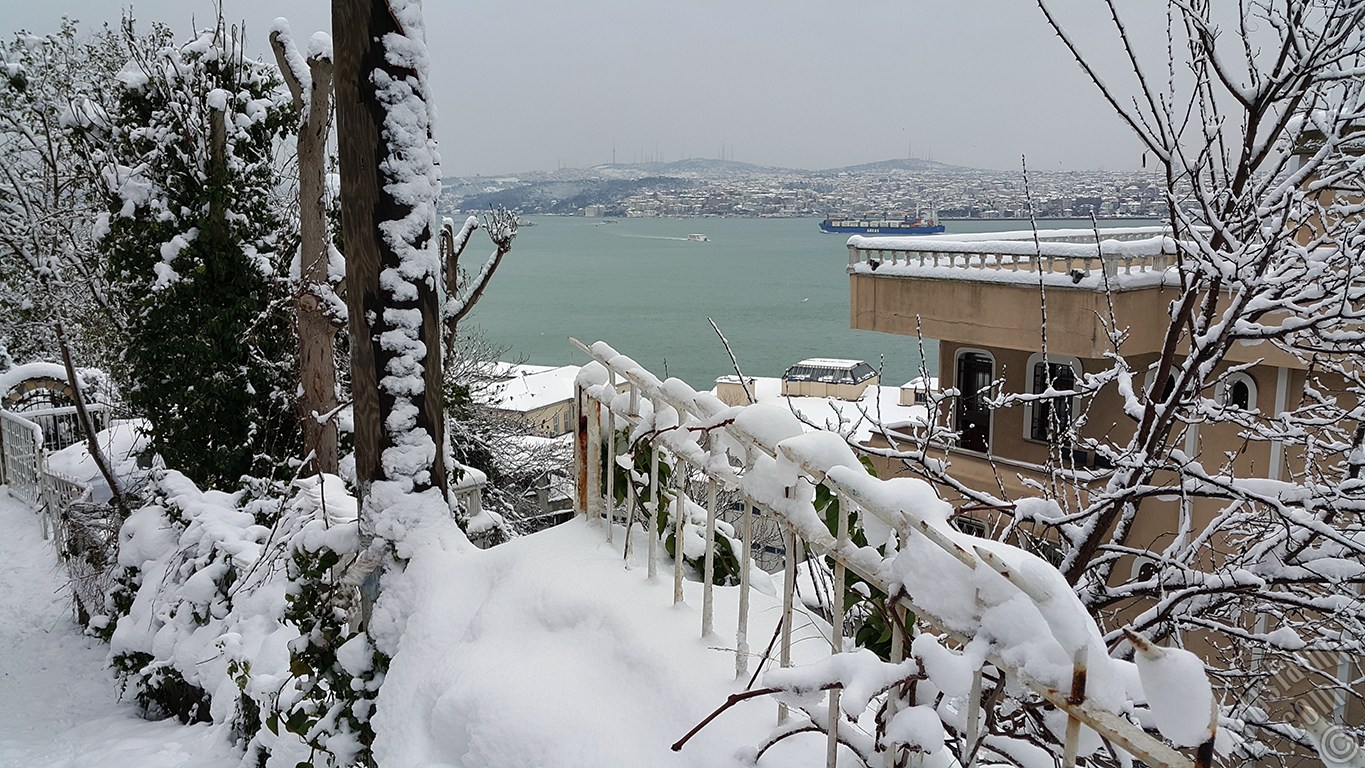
(703, 168)
(910, 165)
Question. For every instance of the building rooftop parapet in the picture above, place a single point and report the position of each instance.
(1123, 259)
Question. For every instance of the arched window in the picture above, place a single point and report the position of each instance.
(1239, 391)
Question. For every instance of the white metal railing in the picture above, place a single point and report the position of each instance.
(25, 440)
(21, 443)
(1120, 251)
(695, 414)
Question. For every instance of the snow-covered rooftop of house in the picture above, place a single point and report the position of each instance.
(878, 404)
(503, 369)
(830, 362)
(528, 391)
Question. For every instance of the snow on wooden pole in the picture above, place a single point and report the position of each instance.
(708, 599)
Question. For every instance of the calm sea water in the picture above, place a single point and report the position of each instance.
(776, 287)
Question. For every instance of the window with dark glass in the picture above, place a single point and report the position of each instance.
(1052, 416)
(975, 373)
(1239, 395)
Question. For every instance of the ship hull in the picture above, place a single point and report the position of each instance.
(882, 228)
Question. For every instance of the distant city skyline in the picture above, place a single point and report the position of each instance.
(537, 85)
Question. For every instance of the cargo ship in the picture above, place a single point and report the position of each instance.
(842, 225)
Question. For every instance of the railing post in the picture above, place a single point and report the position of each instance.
(897, 656)
(609, 505)
(580, 451)
(1073, 724)
(745, 564)
(836, 633)
(791, 544)
(853, 256)
(708, 598)
(652, 530)
(678, 475)
(974, 718)
(594, 460)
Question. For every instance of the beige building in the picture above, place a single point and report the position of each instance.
(979, 296)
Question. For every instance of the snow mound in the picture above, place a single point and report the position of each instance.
(549, 651)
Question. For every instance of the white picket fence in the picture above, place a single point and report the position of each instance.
(801, 535)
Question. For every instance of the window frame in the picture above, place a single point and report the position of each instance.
(1034, 361)
(1225, 384)
(990, 412)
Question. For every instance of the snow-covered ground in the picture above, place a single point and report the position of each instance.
(59, 705)
(551, 650)
(548, 651)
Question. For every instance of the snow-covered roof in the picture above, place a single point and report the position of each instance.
(876, 403)
(830, 362)
(525, 392)
(503, 369)
(830, 371)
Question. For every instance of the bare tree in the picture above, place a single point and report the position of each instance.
(320, 312)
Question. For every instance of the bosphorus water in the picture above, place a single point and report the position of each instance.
(776, 287)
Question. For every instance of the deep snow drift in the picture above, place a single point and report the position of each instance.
(59, 705)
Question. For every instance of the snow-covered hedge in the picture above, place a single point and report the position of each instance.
(227, 609)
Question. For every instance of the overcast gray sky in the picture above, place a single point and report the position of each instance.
(534, 84)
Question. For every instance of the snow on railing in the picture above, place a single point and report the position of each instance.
(766, 455)
(1067, 252)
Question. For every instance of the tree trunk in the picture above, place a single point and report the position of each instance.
(359, 27)
(317, 328)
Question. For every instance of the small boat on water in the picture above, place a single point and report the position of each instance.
(698, 237)
(845, 225)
